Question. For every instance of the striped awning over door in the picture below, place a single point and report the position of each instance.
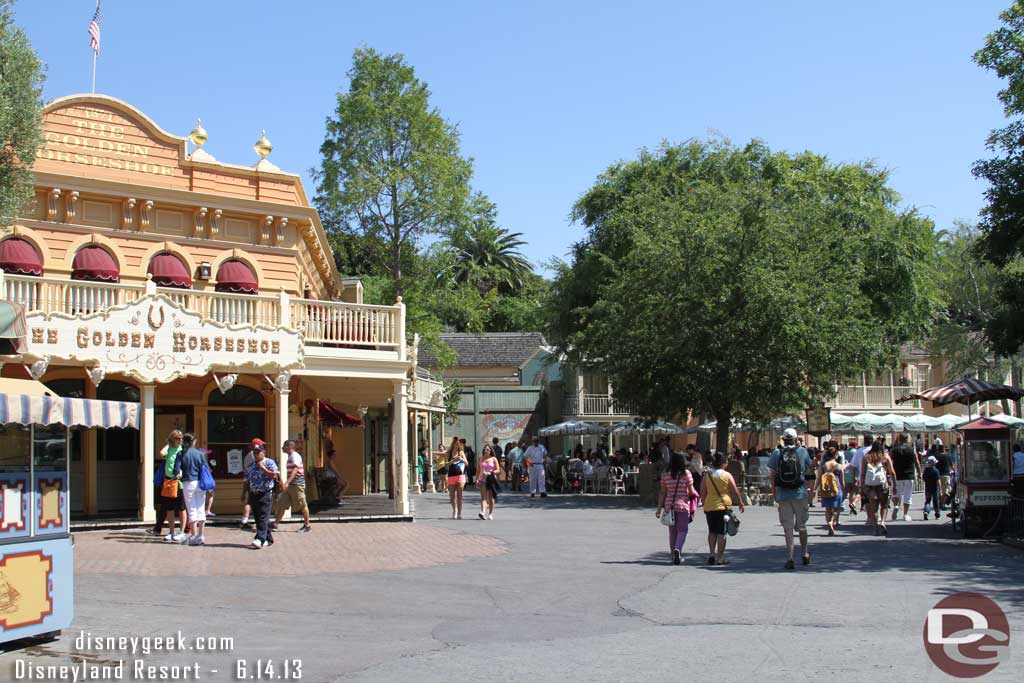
(72, 412)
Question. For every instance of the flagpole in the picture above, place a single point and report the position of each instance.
(94, 71)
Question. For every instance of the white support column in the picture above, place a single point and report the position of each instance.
(147, 513)
(430, 454)
(400, 447)
(282, 433)
(414, 443)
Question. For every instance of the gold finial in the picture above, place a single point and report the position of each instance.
(198, 135)
(263, 146)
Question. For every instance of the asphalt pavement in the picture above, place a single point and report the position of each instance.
(570, 587)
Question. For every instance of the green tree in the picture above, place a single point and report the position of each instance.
(738, 281)
(391, 169)
(21, 128)
(1002, 224)
(486, 255)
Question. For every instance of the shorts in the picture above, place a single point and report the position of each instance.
(904, 491)
(457, 480)
(293, 497)
(716, 521)
(793, 514)
(245, 491)
(877, 493)
(195, 501)
(944, 484)
(173, 504)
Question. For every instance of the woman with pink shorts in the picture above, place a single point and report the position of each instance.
(456, 477)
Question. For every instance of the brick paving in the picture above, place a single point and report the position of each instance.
(328, 549)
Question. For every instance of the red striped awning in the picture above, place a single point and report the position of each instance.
(967, 390)
(236, 276)
(20, 256)
(169, 271)
(334, 417)
(94, 263)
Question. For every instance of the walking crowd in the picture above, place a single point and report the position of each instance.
(873, 478)
(184, 488)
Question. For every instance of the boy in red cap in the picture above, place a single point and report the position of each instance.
(257, 445)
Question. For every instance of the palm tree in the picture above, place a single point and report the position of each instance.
(488, 257)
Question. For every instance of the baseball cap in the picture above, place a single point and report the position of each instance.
(932, 460)
(258, 445)
(789, 433)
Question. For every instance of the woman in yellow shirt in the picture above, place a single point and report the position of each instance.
(718, 490)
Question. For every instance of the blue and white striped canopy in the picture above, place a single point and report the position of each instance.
(72, 412)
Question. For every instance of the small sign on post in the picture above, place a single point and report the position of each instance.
(819, 420)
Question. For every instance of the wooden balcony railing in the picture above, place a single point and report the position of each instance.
(595, 404)
(323, 323)
(864, 397)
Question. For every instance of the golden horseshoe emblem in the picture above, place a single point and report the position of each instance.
(152, 323)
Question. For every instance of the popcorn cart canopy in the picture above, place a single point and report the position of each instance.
(29, 402)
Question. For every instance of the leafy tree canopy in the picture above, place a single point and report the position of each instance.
(21, 87)
(1002, 224)
(741, 281)
(391, 170)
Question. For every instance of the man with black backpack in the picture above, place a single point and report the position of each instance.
(788, 464)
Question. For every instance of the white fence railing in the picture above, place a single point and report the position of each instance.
(865, 397)
(595, 404)
(324, 323)
(330, 322)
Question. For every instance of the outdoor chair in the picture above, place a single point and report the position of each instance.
(590, 480)
(616, 480)
(601, 475)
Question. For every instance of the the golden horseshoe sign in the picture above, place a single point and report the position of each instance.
(152, 323)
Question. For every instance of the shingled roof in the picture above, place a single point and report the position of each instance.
(488, 349)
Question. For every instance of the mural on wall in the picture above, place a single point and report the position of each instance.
(505, 427)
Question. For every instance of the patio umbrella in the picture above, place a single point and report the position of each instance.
(639, 426)
(572, 428)
(1008, 420)
(966, 390)
(736, 425)
(661, 427)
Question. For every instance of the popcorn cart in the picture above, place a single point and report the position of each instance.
(36, 563)
(984, 476)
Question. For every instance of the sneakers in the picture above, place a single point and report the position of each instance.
(790, 564)
(676, 559)
(257, 543)
(906, 518)
(533, 495)
(169, 538)
(490, 515)
(806, 559)
(180, 538)
(543, 495)
(153, 532)
(305, 529)
(196, 540)
(481, 515)
(453, 515)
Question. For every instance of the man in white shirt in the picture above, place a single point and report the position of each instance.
(537, 456)
(855, 465)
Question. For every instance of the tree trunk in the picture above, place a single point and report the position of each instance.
(1015, 380)
(396, 267)
(724, 419)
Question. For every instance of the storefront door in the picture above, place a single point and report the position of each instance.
(233, 420)
(117, 456)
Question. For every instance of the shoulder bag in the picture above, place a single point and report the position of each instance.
(206, 480)
(668, 515)
(732, 522)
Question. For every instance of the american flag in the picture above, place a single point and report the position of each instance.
(94, 30)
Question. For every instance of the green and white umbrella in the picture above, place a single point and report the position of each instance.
(572, 428)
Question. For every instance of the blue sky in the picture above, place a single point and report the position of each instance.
(548, 94)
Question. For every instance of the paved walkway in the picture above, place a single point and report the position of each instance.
(563, 588)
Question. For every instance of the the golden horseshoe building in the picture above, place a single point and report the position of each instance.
(207, 292)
